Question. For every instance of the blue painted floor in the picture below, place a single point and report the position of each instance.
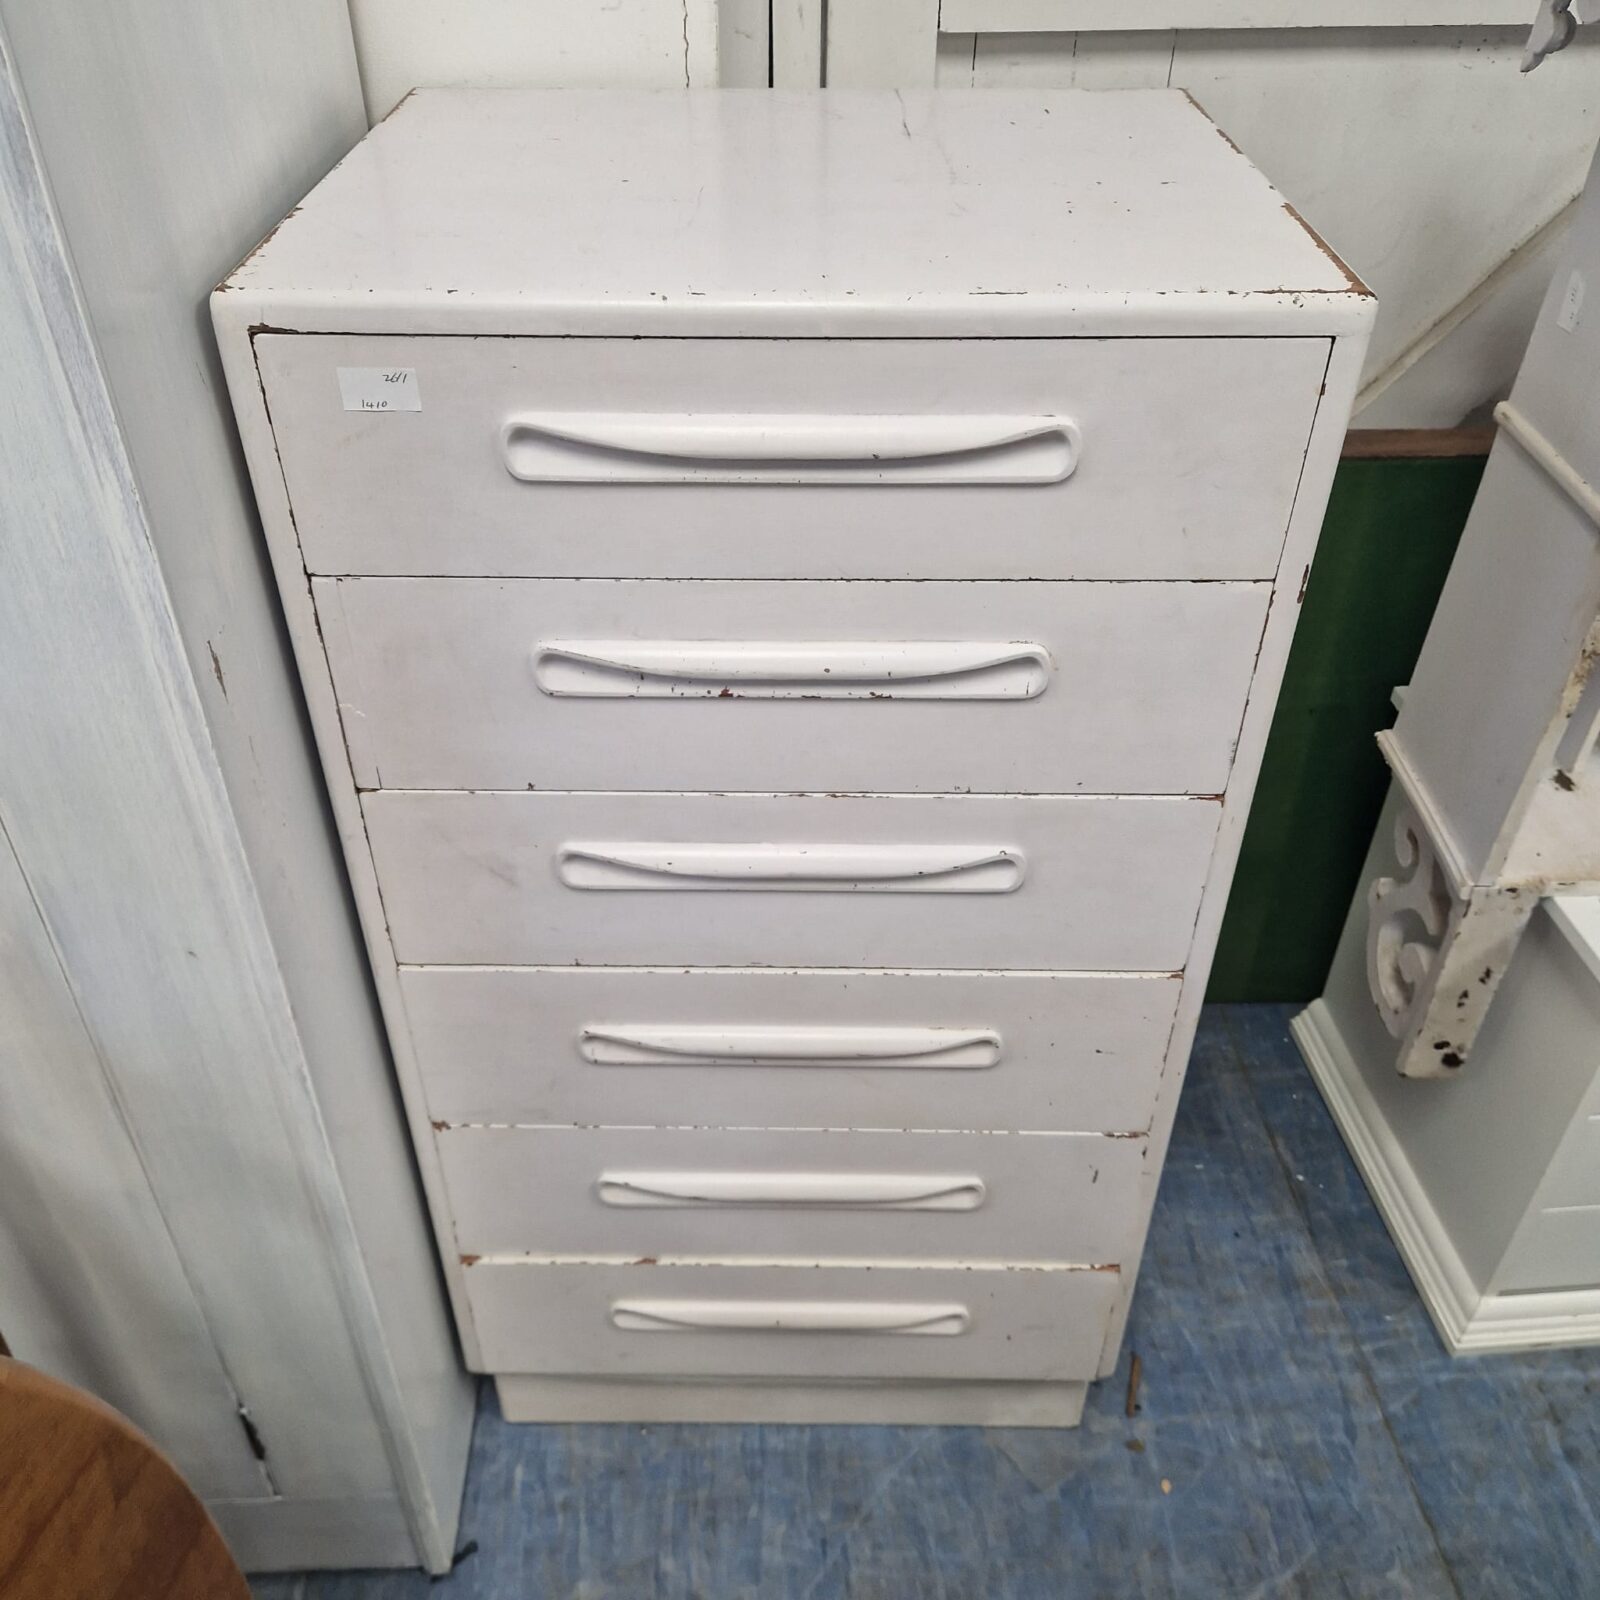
(1300, 1432)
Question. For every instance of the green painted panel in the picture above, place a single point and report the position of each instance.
(1387, 543)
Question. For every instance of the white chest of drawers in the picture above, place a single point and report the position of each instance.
(790, 592)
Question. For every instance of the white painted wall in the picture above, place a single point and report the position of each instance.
(1421, 154)
(1439, 171)
(631, 44)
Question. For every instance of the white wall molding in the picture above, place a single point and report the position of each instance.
(1469, 356)
(1441, 1276)
(1115, 16)
(1467, 1320)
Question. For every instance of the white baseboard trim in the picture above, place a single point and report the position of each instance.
(1536, 1320)
(1468, 1321)
(978, 1405)
(289, 1535)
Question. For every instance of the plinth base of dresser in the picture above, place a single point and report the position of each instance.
(525, 1398)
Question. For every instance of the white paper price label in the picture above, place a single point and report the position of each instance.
(379, 389)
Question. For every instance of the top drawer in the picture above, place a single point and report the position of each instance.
(746, 458)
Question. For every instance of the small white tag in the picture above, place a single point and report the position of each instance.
(379, 389)
(1571, 303)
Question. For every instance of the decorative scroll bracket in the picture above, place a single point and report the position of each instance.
(1436, 955)
(1443, 927)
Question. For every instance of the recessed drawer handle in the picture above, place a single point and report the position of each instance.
(787, 1316)
(738, 669)
(674, 1044)
(811, 1190)
(650, 447)
(822, 868)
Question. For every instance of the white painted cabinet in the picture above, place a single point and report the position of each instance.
(1455, 1039)
(791, 590)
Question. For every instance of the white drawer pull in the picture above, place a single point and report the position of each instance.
(647, 447)
(684, 669)
(824, 868)
(787, 1316)
(680, 1044)
(846, 1190)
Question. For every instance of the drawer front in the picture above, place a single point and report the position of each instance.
(1046, 688)
(725, 1195)
(741, 458)
(783, 1322)
(602, 1045)
(784, 880)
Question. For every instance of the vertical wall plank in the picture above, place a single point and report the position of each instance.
(1073, 60)
(555, 44)
(743, 29)
(882, 44)
(797, 43)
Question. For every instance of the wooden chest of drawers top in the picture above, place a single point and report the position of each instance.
(765, 214)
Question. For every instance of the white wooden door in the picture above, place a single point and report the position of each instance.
(176, 1234)
(84, 1249)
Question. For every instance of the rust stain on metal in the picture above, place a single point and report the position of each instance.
(470, 1261)
(1305, 581)
(440, 1126)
